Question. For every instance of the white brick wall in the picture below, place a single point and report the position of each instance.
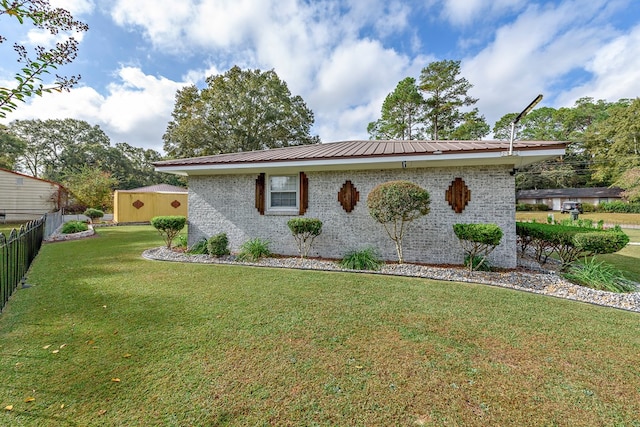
(225, 203)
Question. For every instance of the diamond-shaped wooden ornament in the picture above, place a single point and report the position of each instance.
(348, 196)
(138, 204)
(175, 204)
(458, 195)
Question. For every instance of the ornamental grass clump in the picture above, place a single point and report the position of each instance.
(395, 204)
(199, 247)
(169, 226)
(599, 275)
(254, 249)
(363, 259)
(304, 230)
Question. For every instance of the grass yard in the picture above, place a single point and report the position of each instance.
(609, 218)
(104, 337)
(6, 228)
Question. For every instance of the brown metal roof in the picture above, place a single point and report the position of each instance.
(360, 149)
(158, 188)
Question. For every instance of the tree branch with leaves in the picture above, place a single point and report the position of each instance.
(42, 60)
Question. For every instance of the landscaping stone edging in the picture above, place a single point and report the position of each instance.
(545, 283)
(57, 236)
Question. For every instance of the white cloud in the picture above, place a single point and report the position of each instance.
(76, 7)
(464, 12)
(135, 110)
(528, 56)
(615, 71)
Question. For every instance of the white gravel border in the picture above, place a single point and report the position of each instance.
(545, 283)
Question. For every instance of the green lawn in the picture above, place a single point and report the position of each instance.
(609, 218)
(104, 338)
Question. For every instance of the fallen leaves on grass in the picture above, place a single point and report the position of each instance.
(29, 399)
(115, 380)
(8, 408)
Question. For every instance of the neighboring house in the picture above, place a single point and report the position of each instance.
(142, 204)
(254, 194)
(23, 197)
(556, 196)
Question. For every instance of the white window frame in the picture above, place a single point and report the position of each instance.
(283, 209)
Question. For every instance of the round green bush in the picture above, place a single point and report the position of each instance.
(218, 245)
(94, 213)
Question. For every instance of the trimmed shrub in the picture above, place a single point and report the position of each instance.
(563, 240)
(304, 230)
(601, 243)
(363, 259)
(599, 275)
(523, 207)
(254, 249)
(395, 205)
(169, 226)
(218, 245)
(619, 206)
(71, 227)
(477, 241)
(588, 207)
(94, 214)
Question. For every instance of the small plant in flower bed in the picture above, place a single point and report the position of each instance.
(479, 263)
(363, 259)
(71, 227)
(599, 275)
(218, 245)
(181, 242)
(254, 249)
(199, 247)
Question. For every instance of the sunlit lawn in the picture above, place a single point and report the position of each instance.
(104, 338)
(608, 218)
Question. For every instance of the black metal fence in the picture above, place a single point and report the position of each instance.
(16, 253)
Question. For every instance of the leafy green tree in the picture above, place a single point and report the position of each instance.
(473, 126)
(241, 110)
(395, 204)
(11, 148)
(402, 114)
(92, 187)
(35, 65)
(35, 156)
(629, 181)
(614, 142)
(446, 93)
(56, 149)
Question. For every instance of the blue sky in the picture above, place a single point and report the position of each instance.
(342, 56)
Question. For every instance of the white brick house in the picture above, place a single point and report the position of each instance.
(254, 194)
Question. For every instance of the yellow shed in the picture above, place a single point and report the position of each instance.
(142, 204)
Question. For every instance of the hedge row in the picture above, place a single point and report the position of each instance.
(567, 242)
(619, 207)
(524, 207)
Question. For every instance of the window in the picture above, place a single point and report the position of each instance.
(283, 192)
